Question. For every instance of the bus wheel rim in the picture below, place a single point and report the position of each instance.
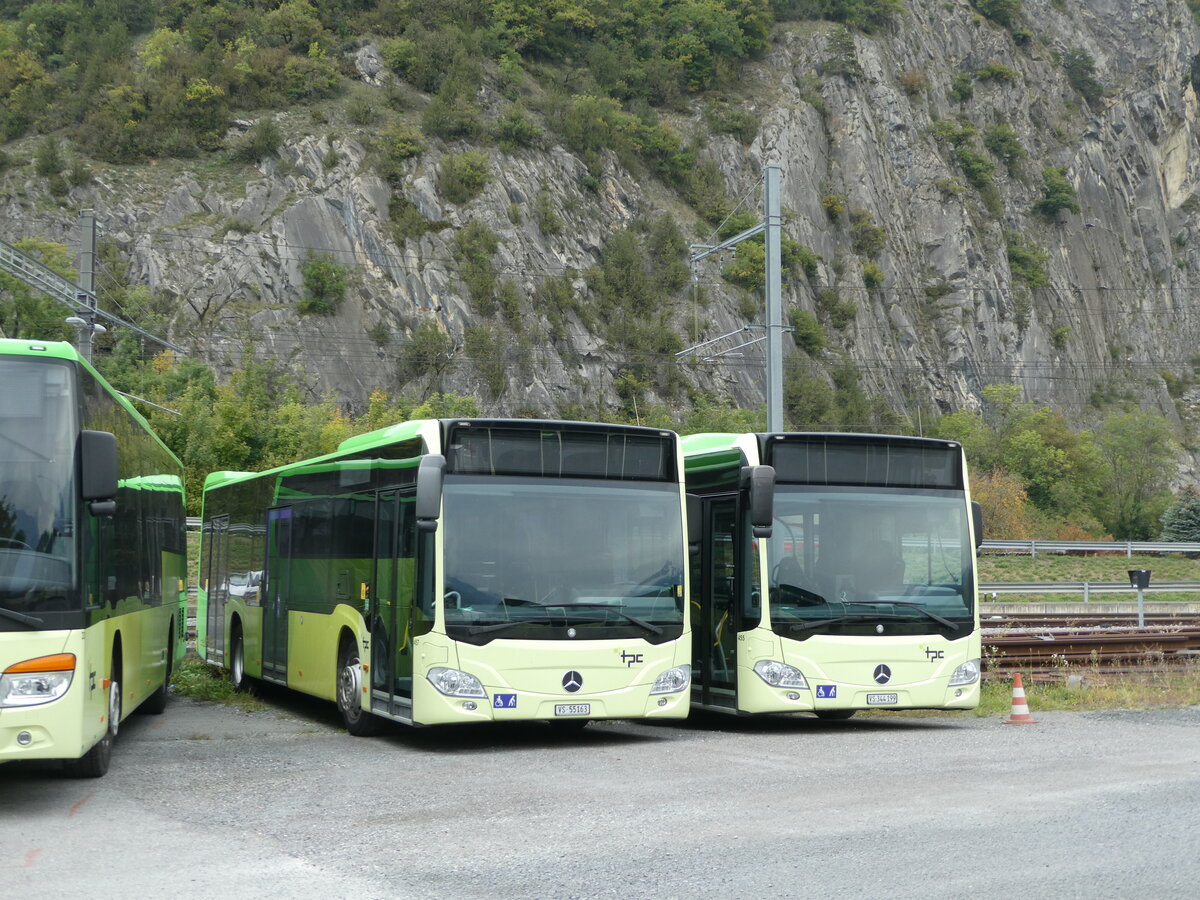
(349, 685)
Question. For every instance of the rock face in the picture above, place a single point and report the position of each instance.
(846, 115)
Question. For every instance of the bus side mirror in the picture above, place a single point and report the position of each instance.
(977, 522)
(430, 475)
(759, 481)
(98, 471)
(694, 523)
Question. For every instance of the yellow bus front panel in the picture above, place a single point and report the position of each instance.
(64, 728)
(527, 680)
(850, 673)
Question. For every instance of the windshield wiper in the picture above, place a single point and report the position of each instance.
(911, 605)
(32, 621)
(817, 623)
(500, 626)
(640, 623)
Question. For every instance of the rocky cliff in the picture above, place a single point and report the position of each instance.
(967, 283)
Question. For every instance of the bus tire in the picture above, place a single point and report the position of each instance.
(833, 715)
(358, 721)
(95, 762)
(237, 662)
(156, 703)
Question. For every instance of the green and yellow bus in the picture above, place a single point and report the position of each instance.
(835, 572)
(92, 560)
(443, 571)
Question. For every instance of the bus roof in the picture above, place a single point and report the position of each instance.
(53, 349)
(64, 351)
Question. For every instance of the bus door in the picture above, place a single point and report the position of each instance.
(715, 623)
(392, 588)
(216, 583)
(277, 579)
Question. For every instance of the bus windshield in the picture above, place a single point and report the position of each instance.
(863, 561)
(561, 560)
(37, 453)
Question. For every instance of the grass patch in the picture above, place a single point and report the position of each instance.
(197, 680)
(1095, 567)
(1173, 686)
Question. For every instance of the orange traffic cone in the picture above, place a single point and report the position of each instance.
(1020, 708)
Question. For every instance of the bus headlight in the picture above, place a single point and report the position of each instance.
(672, 681)
(778, 674)
(967, 673)
(454, 683)
(37, 680)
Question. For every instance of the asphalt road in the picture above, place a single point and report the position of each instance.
(210, 801)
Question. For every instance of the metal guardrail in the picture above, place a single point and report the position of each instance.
(1127, 547)
(1086, 588)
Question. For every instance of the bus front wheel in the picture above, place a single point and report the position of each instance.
(237, 662)
(95, 762)
(358, 721)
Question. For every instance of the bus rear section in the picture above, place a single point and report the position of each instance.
(863, 596)
(91, 560)
(460, 571)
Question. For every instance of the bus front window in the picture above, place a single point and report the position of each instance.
(564, 559)
(37, 452)
(854, 561)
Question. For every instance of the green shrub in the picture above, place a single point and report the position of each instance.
(807, 331)
(1081, 72)
(395, 145)
(840, 312)
(1002, 141)
(834, 205)
(360, 108)
(724, 118)
(262, 139)
(1026, 262)
(868, 239)
(463, 176)
(515, 129)
(962, 87)
(872, 275)
(47, 159)
(474, 245)
(548, 221)
(324, 285)
(426, 354)
(1002, 12)
(1057, 193)
(1059, 337)
(452, 117)
(486, 348)
(994, 70)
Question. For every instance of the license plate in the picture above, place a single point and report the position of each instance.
(572, 709)
(882, 699)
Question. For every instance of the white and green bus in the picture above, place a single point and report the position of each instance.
(92, 560)
(835, 572)
(444, 571)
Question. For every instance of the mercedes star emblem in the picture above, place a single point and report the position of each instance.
(882, 674)
(572, 682)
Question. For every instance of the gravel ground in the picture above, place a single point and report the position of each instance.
(209, 800)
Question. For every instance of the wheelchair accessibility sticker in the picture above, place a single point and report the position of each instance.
(826, 691)
(504, 701)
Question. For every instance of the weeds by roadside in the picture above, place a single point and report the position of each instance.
(197, 680)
